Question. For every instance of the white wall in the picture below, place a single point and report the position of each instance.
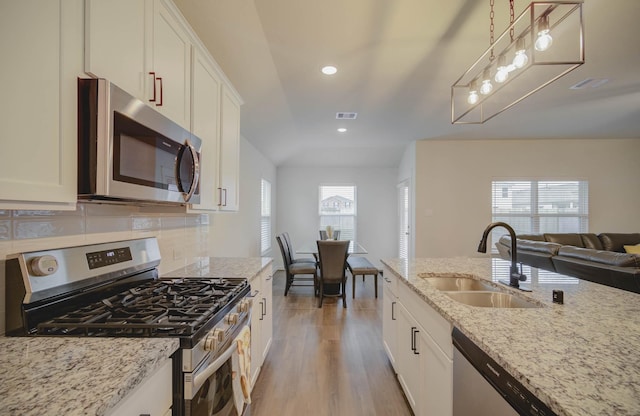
(238, 234)
(453, 185)
(376, 218)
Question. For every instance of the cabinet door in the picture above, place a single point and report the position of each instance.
(229, 152)
(437, 372)
(256, 328)
(41, 44)
(117, 55)
(408, 357)
(389, 324)
(267, 318)
(171, 62)
(205, 112)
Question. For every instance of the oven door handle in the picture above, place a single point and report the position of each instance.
(200, 378)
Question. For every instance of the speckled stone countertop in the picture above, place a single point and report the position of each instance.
(74, 376)
(580, 358)
(248, 267)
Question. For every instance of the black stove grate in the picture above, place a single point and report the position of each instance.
(161, 307)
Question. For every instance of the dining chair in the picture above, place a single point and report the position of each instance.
(325, 236)
(289, 247)
(333, 263)
(292, 270)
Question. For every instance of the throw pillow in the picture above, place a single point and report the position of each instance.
(632, 249)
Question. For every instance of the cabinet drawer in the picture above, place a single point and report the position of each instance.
(390, 281)
(436, 326)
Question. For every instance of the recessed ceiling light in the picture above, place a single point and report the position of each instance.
(329, 70)
(342, 130)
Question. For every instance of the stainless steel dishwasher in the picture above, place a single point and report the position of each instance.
(483, 388)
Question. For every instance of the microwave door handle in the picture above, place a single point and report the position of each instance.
(196, 171)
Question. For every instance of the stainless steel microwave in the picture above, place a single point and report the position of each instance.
(127, 151)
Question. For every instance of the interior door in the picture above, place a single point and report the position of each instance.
(403, 220)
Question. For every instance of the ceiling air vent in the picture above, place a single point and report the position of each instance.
(346, 116)
(589, 83)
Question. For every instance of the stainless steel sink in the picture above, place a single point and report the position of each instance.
(491, 300)
(457, 283)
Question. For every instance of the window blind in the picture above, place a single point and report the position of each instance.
(265, 216)
(337, 208)
(536, 207)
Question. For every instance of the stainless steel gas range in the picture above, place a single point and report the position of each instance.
(113, 290)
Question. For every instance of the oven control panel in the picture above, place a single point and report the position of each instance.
(108, 257)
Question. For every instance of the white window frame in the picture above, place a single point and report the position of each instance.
(265, 216)
(339, 188)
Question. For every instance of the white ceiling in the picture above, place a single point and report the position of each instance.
(396, 62)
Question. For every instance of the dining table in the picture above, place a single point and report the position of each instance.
(311, 247)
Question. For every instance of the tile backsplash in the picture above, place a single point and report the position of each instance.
(181, 237)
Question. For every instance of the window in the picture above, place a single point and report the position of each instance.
(337, 208)
(265, 216)
(536, 207)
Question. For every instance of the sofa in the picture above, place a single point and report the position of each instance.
(600, 258)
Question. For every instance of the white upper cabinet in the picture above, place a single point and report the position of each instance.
(41, 44)
(229, 151)
(118, 55)
(170, 68)
(205, 113)
(143, 47)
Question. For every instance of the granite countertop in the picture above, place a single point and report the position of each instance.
(248, 267)
(74, 376)
(580, 358)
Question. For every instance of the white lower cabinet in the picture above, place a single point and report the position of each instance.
(389, 320)
(422, 352)
(261, 321)
(152, 397)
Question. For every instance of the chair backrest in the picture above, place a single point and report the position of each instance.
(323, 235)
(286, 259)
(336, 235)
(287, 242)
(333, 259)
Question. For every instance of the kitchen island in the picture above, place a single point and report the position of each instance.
(580, 358)
(75, 376)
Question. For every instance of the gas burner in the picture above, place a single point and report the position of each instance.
(160, 307)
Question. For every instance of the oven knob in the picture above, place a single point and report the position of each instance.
(214, 338)
(244, 306)
(231, 319)
(43, 265)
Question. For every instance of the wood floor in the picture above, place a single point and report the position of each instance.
(329, 360)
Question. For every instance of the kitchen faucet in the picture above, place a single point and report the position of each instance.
(515, 275)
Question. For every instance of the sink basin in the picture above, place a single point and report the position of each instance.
(455, 283)
(491, 300)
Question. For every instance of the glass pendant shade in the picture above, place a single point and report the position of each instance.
(503, 71)
(521, 59)
(473, 93)
(486, 87)
(544, 40)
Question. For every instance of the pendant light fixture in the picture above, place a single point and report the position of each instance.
(544, 43)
